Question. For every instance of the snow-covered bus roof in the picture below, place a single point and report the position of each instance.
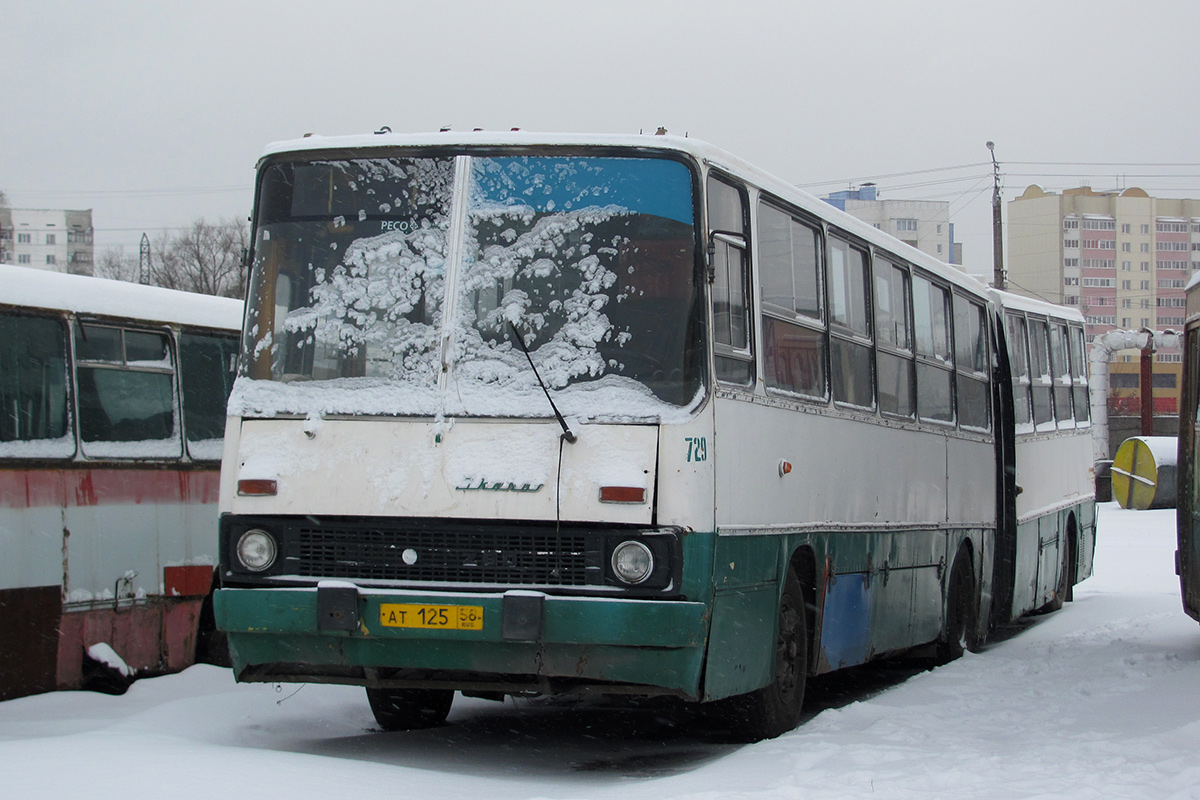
(700, 150)
(37, 288)
(1018, 302)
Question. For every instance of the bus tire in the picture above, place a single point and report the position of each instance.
(775, 709)
(1071, 570)
(1064, 583)
(962, 611)
(410, 709)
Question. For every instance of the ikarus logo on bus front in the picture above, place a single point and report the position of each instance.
(498, 486)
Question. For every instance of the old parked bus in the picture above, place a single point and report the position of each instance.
(112, 408)
(533, 414)
(1187, 557)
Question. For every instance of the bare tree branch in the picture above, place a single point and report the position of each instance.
(205, 258)
(114, 264)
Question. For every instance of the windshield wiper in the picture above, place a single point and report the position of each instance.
(567, 434)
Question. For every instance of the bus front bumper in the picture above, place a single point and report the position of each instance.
(516, 641)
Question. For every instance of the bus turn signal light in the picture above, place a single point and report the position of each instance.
(622, 494)
(257, 488)
(785, 467)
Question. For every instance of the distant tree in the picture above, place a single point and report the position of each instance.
(205, 258)
(114, 264)
(3, 199)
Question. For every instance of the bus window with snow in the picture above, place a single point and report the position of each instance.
(126, 392)
(368, 276)
(208, 365)
(33, 387)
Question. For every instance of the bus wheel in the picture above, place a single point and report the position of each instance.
(775, 708)
(961, 611)
(409, 709)
(1065, 582)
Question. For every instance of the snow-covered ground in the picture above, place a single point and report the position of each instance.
(1100, 700)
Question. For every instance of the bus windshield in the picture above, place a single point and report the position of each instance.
(398, 285)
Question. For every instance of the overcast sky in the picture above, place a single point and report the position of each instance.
(153, 113)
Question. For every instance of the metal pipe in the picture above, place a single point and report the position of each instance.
(1104, 346)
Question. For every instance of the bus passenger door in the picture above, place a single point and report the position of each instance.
(1006, 476)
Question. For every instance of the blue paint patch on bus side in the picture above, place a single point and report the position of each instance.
(846, 622)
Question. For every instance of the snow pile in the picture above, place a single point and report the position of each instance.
(104, 654)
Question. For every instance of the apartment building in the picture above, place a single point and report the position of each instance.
(1122, 257)
(924, 224)
(53, 239)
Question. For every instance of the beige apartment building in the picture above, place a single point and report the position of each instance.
(1122, 257)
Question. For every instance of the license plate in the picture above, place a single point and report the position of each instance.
(412, 615)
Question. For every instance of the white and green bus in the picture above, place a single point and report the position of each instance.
(553, 414)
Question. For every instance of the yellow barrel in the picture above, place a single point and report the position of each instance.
(1143, 472)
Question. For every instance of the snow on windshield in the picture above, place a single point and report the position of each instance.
(397, 308)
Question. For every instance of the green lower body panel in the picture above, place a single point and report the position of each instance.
(524, 641)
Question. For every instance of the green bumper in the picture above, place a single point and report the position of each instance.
(601, 642)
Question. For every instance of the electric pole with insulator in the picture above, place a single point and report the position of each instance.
(999, 276)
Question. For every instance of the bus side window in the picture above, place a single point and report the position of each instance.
(1061, 374)
(1041, 380)
(971, 361)
(731, 283)
(1079, 375)
(126, 384)
(894, 361)
(935, 365)
(850, 356)
(1018, 358)
(793, 319)
(206, 373)
(33, 383)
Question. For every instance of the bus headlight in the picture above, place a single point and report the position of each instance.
(632, 562)
(256, 550)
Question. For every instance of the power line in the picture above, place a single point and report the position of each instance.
(892, 175)
(1090, 174)
(1075, 175)
(133, 192)
(1105, 163)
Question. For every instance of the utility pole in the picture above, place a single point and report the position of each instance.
(144, 261)
(999, 276)
(1146, 383)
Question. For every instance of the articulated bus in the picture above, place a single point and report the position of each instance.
(1187, 557)
(555, 414)
(112, 409)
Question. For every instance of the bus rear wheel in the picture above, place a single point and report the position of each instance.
(775, 709)
(410, 709)
(961, 611)
(1064, 591)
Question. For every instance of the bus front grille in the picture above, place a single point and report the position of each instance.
(449, 555)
